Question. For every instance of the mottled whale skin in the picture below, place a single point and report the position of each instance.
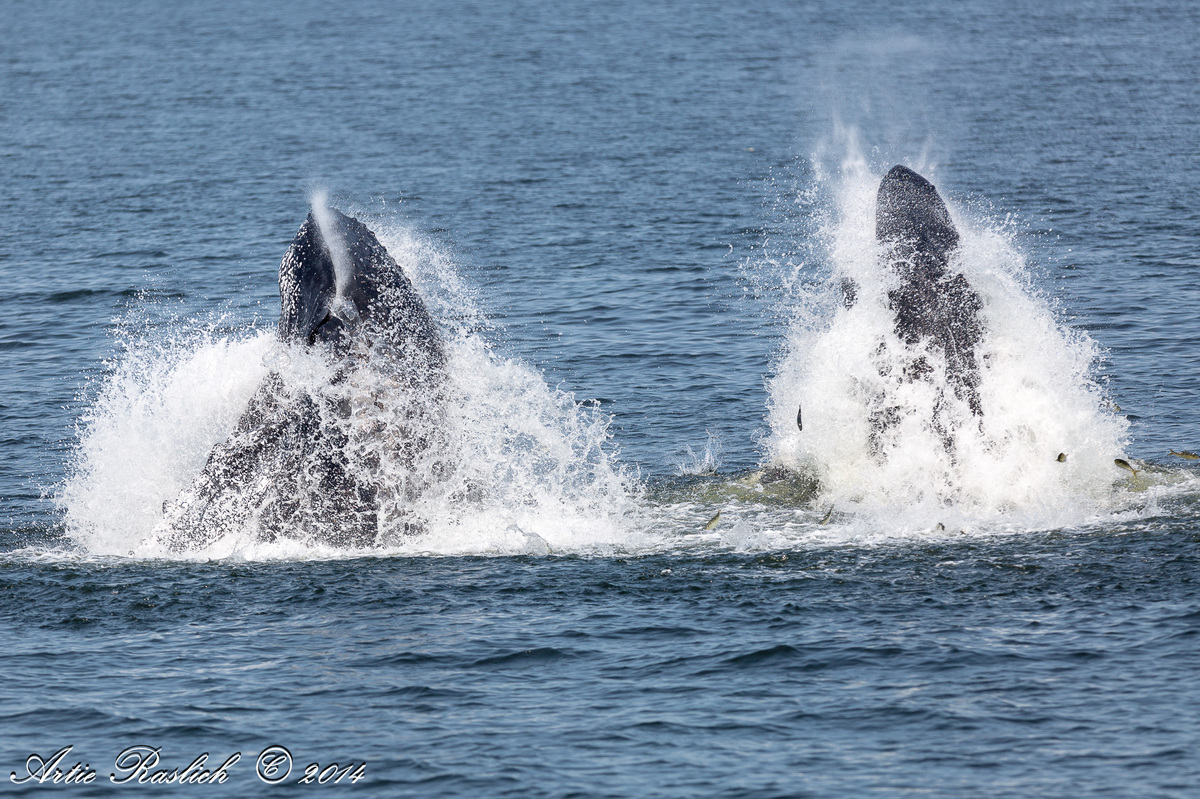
(912, 222)
(291, 467)
(935, 310)
(376, 293)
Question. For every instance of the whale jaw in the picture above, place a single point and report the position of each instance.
(912, 220)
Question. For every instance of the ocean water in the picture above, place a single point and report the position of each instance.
(631, 222)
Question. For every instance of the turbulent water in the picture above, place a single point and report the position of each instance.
(515, 467)
(623, 568)
(1042, 450)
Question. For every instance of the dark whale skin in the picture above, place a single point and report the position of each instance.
(378, 292)
(289, 467)
(935, 310)
(930, 304)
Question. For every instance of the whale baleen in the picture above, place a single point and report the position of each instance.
(304, 461)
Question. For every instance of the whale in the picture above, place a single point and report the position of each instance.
(304, 460)
(934, 310)
(933, 304)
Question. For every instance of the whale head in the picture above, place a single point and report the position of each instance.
(336, 281)
(912, 219)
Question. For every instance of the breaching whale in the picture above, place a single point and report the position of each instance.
(931, 303)
(304, 460)
(935, 311)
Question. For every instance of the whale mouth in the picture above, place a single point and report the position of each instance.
(314, 307)
(339, 286)
(340, 319)
(307, 288)
(327, 329)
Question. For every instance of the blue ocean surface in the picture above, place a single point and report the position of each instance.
(631, 222)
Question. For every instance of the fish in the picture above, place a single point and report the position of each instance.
(1124, 464)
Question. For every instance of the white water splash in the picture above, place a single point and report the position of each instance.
(707, 461)
(342, 271)
(1038, 396)
(518, 467)
(534, 473)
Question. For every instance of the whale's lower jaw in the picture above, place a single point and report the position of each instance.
(275, 477)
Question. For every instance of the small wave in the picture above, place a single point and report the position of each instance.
(526, 657)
